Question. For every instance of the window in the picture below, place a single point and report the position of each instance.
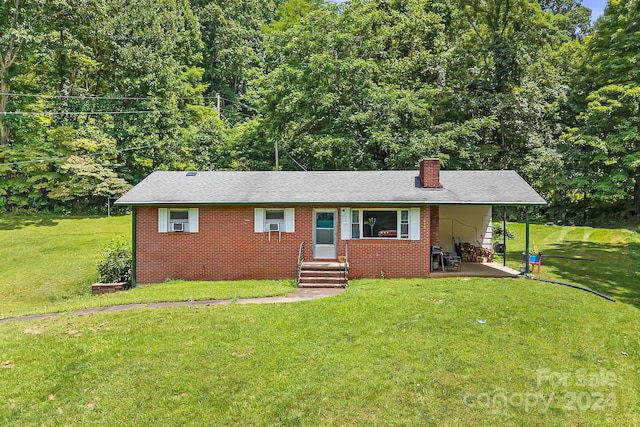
(267, 220)
(381, 224)
(178, 220)
(274, 219)
(355, 224)
(404, 224)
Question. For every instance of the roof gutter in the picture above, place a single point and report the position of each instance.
(368, 203)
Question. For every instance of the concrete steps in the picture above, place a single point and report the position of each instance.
(323, 274)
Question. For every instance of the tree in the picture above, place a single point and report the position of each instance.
(233, 37)
(358, 87)
(508, 63)
(19, 21)
(605, 141)
(147, 52)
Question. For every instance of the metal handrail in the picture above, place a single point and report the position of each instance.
(300, 261)
(346, 265)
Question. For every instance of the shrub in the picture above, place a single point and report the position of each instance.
(115, 265)
(497, 232)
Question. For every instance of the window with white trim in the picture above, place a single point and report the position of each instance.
(404, 224)
(383, 224)
(177, 220)
(274, 219)
(355, 224)
(268, 220)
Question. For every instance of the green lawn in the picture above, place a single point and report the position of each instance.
(47, 260)
(395, 352)
(401, 352)
(614, 270)
(48, 265)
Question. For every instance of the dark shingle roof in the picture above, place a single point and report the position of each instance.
(331, 187)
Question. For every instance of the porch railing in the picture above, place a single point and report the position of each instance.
(300, 261)
(346, 265)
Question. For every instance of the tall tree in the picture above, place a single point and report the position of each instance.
(232, 32)
(19, 22)
(358, 86)
(508, 63)
(606, 139)
(147, 51)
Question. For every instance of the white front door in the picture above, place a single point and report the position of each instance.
(325, 233)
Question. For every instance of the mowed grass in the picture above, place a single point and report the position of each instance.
(48, 265)
(397, 352)
(610, 257)
(386, 352)
(48, 259)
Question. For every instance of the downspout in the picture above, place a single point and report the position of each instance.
(526, 243)
(133, 248)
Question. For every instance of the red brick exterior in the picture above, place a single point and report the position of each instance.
(434, 229)
(227, 248)
(430, 173)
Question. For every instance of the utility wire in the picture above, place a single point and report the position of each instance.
(113, 98)
(53, 159)
(295, 161)
(89, 113)
(243, 103)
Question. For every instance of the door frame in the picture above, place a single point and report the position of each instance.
(334, 211)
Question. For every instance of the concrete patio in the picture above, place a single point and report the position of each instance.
(476, 269)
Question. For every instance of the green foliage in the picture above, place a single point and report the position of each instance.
(116, 262)
(369, 84)
(604, 143)
(290, 14)
(498, 232)
(336, 101)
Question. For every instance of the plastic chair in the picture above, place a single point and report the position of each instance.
(533, 261)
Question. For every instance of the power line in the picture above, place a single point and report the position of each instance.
(89, 113)
(295, 161)
(243, 103)
(113, 98)
(53, 159)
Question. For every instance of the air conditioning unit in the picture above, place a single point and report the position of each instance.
(274, 227)
(177, 226)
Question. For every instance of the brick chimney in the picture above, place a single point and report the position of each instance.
(430, 173)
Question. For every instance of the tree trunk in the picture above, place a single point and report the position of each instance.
(62, 62)
(4, 100)
(636, 192)
(7, 56)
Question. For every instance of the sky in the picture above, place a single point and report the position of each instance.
(596, 6)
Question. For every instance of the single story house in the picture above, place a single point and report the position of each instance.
(250, 225)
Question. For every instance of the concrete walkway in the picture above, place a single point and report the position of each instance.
(301, 294)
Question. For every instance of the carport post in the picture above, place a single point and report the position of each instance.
(133, 247)
(526, 242)
(504, 236)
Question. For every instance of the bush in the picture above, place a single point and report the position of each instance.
(116, 262)
(497, 232)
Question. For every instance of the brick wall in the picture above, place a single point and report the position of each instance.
(434, 229)
(226, 248)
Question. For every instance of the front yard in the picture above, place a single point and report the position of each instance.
(395, 352)
(386, 352)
